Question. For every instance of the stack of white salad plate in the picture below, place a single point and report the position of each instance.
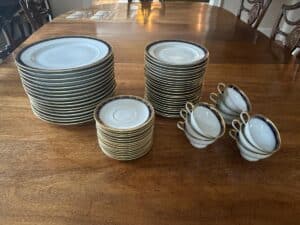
(230, 101)
(256, 137)
(66, 77)
(202, 125)
(124, 127)
(174, 72)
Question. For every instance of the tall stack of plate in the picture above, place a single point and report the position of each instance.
(66, 77)
(124, 127)
(174, 72)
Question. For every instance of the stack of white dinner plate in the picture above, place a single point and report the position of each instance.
(124, 127)
(174, 72)
(66, 77)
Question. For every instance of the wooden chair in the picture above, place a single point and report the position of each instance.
(6, 41)
(37, 12)
(256, 12)
(291, 39)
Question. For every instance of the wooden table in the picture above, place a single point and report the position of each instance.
(57, 175)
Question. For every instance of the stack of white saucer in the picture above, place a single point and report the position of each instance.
(124, 127)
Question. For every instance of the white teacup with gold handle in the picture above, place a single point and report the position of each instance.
(234, 98)
(186, 116)
(243, 150)
(197, 143)
(261, 132)
(218, 100)
(206, 120)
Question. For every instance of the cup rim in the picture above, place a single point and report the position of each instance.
(216, 113)
(261, 150)
(272, 127)
(242, 94)
(227, 107)
(188, 120)
(195, 139)
(246, 152)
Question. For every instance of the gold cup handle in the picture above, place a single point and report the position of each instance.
(221, 87)
(236, 124)
(245, 117)
(183, 114)
(213, 97)
(233, 134)
(181, 126)
(189, 107)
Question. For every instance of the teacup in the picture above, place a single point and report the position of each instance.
(197, 143)
(186, 116)
(218, 100)
(261, 132)
(206, 120)
(245, 147)
(245, 154)
(227, 118)
(234, 98)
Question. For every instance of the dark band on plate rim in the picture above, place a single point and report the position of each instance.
(158, 64)
(105, 65)
(20, 63)
(182, 41)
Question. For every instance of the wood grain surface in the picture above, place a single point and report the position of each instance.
(58, 175)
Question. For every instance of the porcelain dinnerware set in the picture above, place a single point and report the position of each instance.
(202, 125)
(66, 77)
(174, 73)
(230, 101)
(125, 127)
(256, 136)
(69, 80)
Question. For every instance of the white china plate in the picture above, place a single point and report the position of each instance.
(124, 113)
(64, 53)
(126, 156)
(177, 53)
(70, 76)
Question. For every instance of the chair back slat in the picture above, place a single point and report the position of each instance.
(292, 38)
(6, 41)
(37, 12)
(256, 12)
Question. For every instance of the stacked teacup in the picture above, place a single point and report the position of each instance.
(230, 101)
(125, 126)
(256, 137)
(202, 124)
